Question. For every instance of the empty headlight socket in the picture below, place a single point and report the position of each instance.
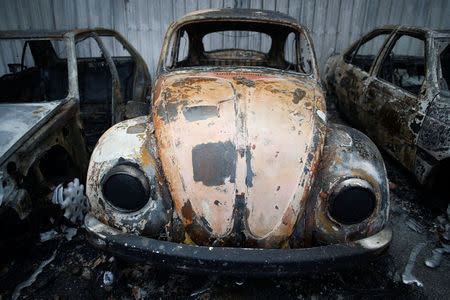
(126, 188)
(352, 201)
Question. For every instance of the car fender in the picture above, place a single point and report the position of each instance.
(130, 142)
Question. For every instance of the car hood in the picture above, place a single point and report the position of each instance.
(20, 121)
(239, 151)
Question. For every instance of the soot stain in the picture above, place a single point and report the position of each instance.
(214, 162)
(197, 113)
(299, 94)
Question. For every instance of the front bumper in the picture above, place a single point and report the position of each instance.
(235, 261)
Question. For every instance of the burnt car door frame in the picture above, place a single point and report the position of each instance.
(401, 112)
(123, 106)
(141, 77)
(348, 74)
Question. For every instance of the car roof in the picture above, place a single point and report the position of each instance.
(48, 34)
(238, 14)
(423, 30)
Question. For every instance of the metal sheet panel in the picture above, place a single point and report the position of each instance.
(20, 121)
(334, 23)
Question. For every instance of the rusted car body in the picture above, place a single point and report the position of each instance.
(236, 169)
(393, 85)
(42, 136)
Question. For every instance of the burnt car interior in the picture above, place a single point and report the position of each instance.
(270, 46)
(42, 75)
(404, 63)
(43, 80)
(364, 53)
(95, 85)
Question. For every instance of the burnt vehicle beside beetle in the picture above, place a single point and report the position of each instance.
(57, 75)
(236, 169)
(393, 84)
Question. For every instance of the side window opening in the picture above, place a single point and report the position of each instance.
(183, 49)
(367, 51)
(443, 47)
(305, 55)
(34, 72)
(404, 64)
(297, 54)
(290, 49)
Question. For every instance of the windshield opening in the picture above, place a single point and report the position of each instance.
(247, 44)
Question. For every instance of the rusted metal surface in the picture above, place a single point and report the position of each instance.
(413, 128)
(238, 136)
(130, 141)
(238, 155)
(235, 261)
(348, 155)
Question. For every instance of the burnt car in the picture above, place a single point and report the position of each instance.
(59, 88)
(236, 169)
(393, 84)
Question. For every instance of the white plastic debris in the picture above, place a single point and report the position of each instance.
(435, 260)
(72, 200)
(239, 282)
(49, 235)
(407, 276)
(108, 278)
(200, 291)
(70, 232)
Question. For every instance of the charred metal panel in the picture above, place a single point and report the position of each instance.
(20, 121)
(347, 154)
(434, 137)
(129, 142)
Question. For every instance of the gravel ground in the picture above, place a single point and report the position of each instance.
(75, 270)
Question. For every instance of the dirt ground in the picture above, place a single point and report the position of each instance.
(76, 270)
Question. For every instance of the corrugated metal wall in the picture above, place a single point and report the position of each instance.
(334, 23)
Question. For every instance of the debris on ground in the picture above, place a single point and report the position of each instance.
(48, 235)
(414, 225)
(108, 278)
(139, 293)
(69, 232)
(86, 274)
(33, 277)
(407, 276)
(200, 291)
(442, 226)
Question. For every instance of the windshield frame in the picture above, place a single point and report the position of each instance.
(175, 29)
